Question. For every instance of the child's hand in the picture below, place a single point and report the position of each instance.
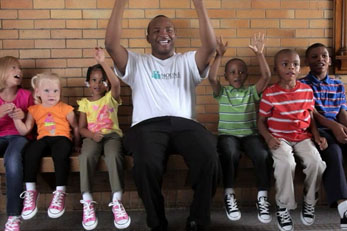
(6, 109)
(221, 47)
(17, 113)
(257, 43)
(273, 142)
(99, 55)
(340, 133)
(321, 142)
(97, 136)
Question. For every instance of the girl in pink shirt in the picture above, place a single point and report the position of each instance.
(14, 102)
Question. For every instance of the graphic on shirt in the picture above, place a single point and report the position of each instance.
(167, 76)
(50, 124)
(103, 120)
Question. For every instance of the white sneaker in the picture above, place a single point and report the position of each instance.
(263, 207)
(231, 209)
(30, 204)
(307, 214)
(57, 207)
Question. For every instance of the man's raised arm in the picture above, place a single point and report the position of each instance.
(113, 34)
(207, 36)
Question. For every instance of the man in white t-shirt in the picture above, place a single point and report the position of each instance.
(163, 91)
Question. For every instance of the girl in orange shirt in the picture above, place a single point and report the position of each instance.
(53, 119)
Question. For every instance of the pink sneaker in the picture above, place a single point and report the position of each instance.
(12, 224)
(121, 218)
(89, 221)
(57, 206)
(30, 204)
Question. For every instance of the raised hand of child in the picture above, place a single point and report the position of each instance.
(221, 46)
(273, 142)
(97, 136)
(99, 55)
(17, 113)
(321, 142)
(6, 108)
(257, 43)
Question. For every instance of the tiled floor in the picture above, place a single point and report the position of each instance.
(326, 219)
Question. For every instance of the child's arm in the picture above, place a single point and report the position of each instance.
(24, 127)
(71, 118)
(320, 141)
(212, 75)
(257, 46)
(339, 130)
(112, 78)
(85, 132)
(342, 117)
(271, 141)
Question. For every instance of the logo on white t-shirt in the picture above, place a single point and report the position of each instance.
(166, 76)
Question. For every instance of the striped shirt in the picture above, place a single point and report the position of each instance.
(329, 95)
(288, 111)
(237, 111)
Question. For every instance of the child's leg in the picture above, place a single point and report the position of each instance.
(313, 166)
(229, 151)
(14, 172)
(32, 159)
(284, 170)
(255, 148)
(88, 159)
(114, 159)
(61, 150)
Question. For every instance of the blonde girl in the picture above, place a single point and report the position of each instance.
(53, 119)
(14, 102)
(98, 124)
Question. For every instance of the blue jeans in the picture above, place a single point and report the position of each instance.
(11, 148)
(230, 149)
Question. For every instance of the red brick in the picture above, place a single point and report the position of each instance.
(236, 4)
(83, 24)
(49, 4)
(105, 3)
(49, 24)
(266, 23)
(13, 53)
(35, 54)
(250, 13)
(8, 14)
(96, 14)
(17, 24)
(81, 43)
(18, 44)
(235, 23)
(145, 4)
(80, 4)
(151, 13)
(50, 43)
(16, 4)
(50, 63)
(80, 62)
(66, 34)
(34, 34)
(266, 4)
(280, 13)
(9, 34)
(69, 14)
(33, 14)
(66, 53)
(175, 4)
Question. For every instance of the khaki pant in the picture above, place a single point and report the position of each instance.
(113, 156)
(284, 165)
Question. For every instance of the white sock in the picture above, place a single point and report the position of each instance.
(87, 196)
(61, 188)
(30, 186)
(117, 196)
(262, 193)
(342, 208)
(228, 191)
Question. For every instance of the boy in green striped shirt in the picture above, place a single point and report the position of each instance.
(237, 129)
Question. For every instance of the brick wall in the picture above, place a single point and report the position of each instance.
(58, 35)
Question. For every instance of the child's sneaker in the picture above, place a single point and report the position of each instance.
(231, 209)
(263, 207)
(121, 218)
(57, 206)
(284, 220)
(307, 214)
(343, 224)
(89, 221)
(30, 204)
(12, 224)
